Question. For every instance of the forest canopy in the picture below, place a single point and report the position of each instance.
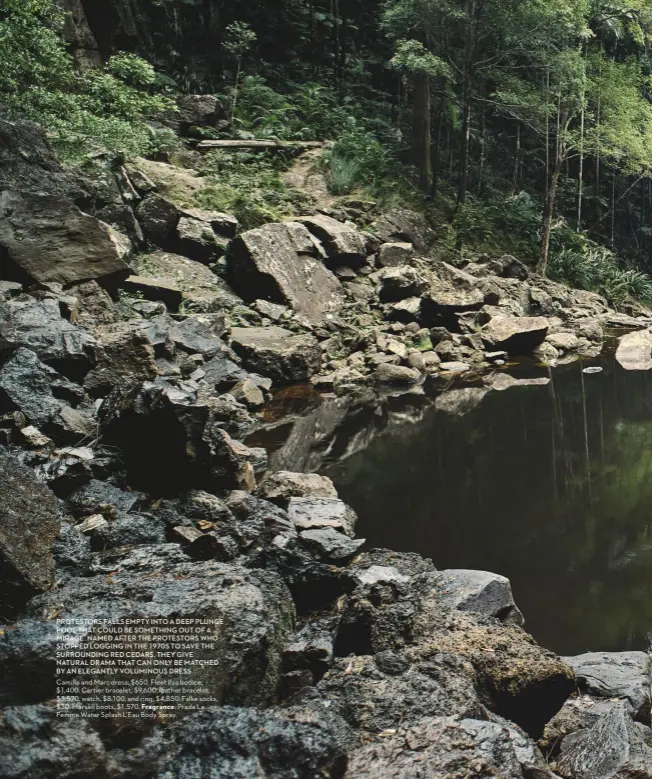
(525, 118)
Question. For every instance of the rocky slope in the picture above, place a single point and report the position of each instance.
(138, 340)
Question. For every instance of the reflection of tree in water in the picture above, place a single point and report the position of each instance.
(551, 486)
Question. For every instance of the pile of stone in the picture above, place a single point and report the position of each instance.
(126, 489)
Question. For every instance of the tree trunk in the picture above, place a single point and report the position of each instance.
(465, 149)
(517, 158)
(421, 131)
(548, 213)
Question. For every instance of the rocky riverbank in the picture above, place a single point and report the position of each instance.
(138, 341)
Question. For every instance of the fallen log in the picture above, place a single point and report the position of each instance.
(260, 144)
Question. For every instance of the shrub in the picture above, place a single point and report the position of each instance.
(105, 108)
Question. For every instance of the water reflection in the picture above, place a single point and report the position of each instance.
(549, 485)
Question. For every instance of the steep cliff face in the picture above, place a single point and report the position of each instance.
(180, 35)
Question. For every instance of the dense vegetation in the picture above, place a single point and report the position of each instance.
(523, 125)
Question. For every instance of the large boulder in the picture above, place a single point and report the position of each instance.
(402, 226)
(255, 608)
(281, 487)
(278, 353)
(516, 335)
(616, 675)
(342, 242)
(400, 282)
(451, 292)
(444, 747)
(634, 352)
(29, 524)
(46, 238)
(614, 748)
(275, 263)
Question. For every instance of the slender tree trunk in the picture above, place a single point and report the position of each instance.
(466, 146)
(580, 178)
(613, 209)
(483, 140)
(517, 158)
(548, 213)
(421, 131)
(437, 155)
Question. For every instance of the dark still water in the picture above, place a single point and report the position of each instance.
(548, 485)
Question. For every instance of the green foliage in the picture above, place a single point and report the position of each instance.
(238, 39)
(412, 57)
(510, 224)
(247, 185)
(104, 108)
(597, 269)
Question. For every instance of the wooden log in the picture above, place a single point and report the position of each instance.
(260, 144)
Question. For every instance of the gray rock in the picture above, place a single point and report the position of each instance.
(279, 487)
(34, 742)
(408, 310)
(613, 748)
(255, 606)
(443, 747)
(158, 218)
(29, 164)
(196, 283)
(29, 524)
(125, 357)
(46, 238)
(154, 289)
(309, 513)
(382, 693)
(479, 591)
(99, 496)
(503, 381)
(331, 545)
(201, 334)
(281, 355)
(576, 714)
(451, 291)
(634, 352)
(616, 675)
(392, 254)
(39, 326)
(516, 335)
(401, 225)
(400, 282)
(343, 243)
(265, 264)
(396, 374)
(26, 384)
(461, 401)
(565, 342)
(225, 743)
(196, 111)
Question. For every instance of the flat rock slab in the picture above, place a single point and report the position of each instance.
(266, 264)
(614, 748)
(516, 335)
(343, 243)
(634, 352)
(29, 524)
(49, 239)
(616, 675)
(277, 353)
